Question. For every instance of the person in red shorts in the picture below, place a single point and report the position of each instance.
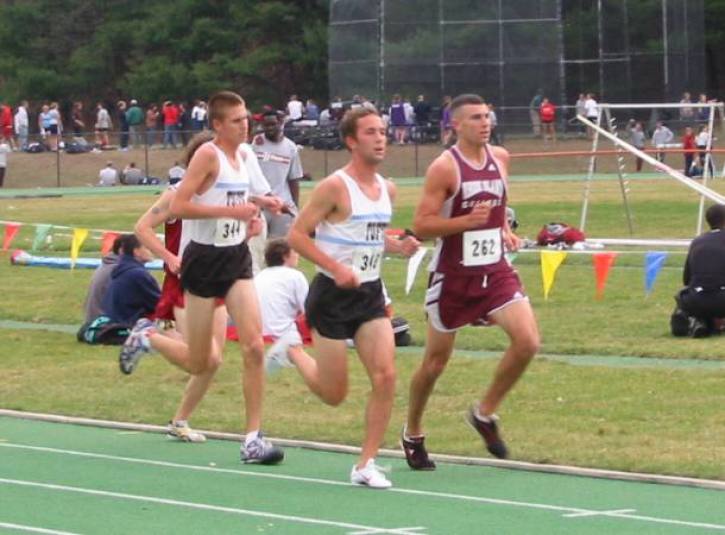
(547, 112)
(463, 206)
(6, 125)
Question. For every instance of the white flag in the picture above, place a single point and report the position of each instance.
(413, 265)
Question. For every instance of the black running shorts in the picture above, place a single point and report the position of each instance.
(337, 313)
(209, 271)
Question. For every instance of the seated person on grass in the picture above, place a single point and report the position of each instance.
(281, 290)
(133, 292)
(108, 176)
(132, 175)
(100, 281)
(701, 303)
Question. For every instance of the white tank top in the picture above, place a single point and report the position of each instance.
(359, 241)
(230, 188)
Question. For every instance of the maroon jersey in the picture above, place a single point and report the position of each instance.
(476, 251)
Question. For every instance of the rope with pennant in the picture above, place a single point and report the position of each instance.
(550, 261)
(43, 231)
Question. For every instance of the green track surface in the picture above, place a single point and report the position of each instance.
(76, 479)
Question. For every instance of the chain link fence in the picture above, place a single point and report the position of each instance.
(621, 50)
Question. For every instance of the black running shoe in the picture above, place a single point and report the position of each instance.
(699, 328)
(415, 452)
(489, 433)
(261, 451)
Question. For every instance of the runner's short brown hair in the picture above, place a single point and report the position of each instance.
(220, 102)
(348, 124)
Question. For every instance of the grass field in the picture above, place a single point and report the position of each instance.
(653, 418)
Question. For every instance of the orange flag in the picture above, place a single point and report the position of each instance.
(11, 229)
(107, 240)
(603, 262)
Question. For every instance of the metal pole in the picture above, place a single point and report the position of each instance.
(561, 53)
(665, 50)
(590, 172)
(622, 177)
(706, 175)
(416, 158)
(381, 64)
(600, 36)
(146, 152)
(627, 50)
(441, 66)
(57, 162)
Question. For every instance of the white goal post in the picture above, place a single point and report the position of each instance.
(606, 126)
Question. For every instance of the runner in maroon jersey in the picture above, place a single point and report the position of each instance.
(471, 282)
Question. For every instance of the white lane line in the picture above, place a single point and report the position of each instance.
(433, 494)
(657, 520)
(401, 531)
(167, 464)
(33, 529)
(599, 513)
(201, 506)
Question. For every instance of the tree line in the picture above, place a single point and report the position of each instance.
(154, 50)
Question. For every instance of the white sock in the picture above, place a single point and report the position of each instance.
(179, 423)
(252, 435)
(406, 436)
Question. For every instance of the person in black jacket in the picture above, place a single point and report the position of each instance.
(703, 298)
(133, 292)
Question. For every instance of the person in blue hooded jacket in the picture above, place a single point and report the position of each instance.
(133, 292)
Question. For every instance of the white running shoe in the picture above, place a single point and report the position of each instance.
(276, 356)
(181, 431)
(136, 345)
(371, 475)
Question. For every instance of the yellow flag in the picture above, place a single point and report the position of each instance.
(79, 236)
(550, 262)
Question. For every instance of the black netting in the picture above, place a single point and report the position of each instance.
(406, 44)
(467, 10)
(351, 42)
(347, 10)
(347, 79)
(411, 12)
(530, 10)
(621, 50)
(483, 80)
(413, 80)
(525, 42)
(471, 42)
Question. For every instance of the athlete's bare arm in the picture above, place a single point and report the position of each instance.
(204, 166)
(323, 202)
(407, 246)
(511, 240)
(440, 184)
(271, 202)
(159, 213)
